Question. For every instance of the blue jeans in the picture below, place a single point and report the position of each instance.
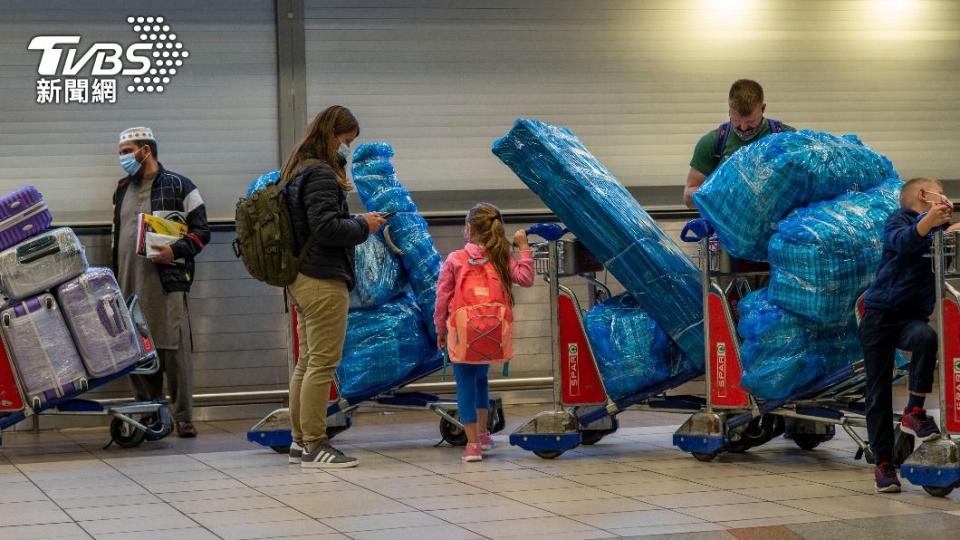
(472, 391)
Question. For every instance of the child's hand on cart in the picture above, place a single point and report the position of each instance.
(520, 240)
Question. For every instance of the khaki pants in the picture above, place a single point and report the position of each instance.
(322, 306)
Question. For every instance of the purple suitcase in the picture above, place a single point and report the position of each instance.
(22, 214)
(98, 318)
(42, 350)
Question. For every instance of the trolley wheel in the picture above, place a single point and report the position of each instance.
(496, 420)
(938, 491)
(903, 445)
(548, 454)
(593, 436)
(159, 427)
(126, 435)
(808, 441)
(705, 457)
(452, 433)
(281, 449)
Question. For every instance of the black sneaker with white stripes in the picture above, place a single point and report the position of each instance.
(326, 457)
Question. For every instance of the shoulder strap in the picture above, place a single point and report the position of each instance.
(723, 130)
(776, 126)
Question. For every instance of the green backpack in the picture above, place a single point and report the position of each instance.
(265, 238)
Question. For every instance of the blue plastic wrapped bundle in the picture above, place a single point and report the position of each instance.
(263, 181)
(757, 186)
(383, 346)
(586, 196)
(825, 254)
(380, 191)
(380, 274)
(631, 350)
(778, 352)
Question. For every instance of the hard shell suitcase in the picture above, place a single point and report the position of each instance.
(41, 263)
(42, 350)
(11, 400)
(22, 214)
(100, 322)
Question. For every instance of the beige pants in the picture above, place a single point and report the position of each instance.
(322, 306)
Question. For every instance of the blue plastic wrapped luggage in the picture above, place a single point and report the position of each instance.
(263, 181)
(825, 254)
(380, 276)
(380, 191)
(781, 352)
(586, 196)
(777, 351)
(383, 346)
(758, 185)
(631, 350)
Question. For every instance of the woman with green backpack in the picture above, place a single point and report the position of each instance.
(326, 234)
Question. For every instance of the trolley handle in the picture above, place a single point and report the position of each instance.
(696, 230)
(548, 231)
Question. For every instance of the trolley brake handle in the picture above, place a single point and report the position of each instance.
(696, 230)
(548, 231)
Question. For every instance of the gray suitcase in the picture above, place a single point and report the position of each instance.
(42, 350)
(41, 263)
(100, 323)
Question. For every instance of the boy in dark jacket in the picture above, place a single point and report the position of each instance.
(898, 307)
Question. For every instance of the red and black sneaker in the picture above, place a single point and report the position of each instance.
(917, 423)
(885, 478)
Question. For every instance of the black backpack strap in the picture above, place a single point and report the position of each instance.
(776, 126)
(723, 131)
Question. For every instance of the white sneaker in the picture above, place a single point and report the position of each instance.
(296, 452)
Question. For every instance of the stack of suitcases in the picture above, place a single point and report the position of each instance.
(62, 322)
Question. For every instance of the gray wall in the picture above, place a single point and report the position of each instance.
(216, 121)
(639, 82)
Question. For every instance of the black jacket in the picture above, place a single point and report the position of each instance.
(904, 281)
(318, 205)
(171, 192)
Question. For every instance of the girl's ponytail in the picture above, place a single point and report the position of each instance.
(486, 227)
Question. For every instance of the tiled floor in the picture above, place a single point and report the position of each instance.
(634, 483)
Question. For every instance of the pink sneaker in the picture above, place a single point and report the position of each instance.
(472, 453)
(486, 441)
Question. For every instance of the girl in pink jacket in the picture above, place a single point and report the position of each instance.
(474, 316)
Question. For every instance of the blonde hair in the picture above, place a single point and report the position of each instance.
(315, 144)
(910, 188)
(486, 229)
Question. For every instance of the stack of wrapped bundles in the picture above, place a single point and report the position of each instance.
(631, 350)
(586, 196)
(760, 184)
(781, 352)
(384, 345)
(824, 255)
(814, 205)
(380, 191)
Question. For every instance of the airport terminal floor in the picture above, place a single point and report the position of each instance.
(634, 483)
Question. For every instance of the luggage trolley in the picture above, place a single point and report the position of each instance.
(732, 420)
(583, 412)
(129, 426)
(935, 465)
(273, 430)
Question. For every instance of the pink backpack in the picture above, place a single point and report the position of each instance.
(480, 324)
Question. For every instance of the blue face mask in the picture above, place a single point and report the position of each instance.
(129, 163)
